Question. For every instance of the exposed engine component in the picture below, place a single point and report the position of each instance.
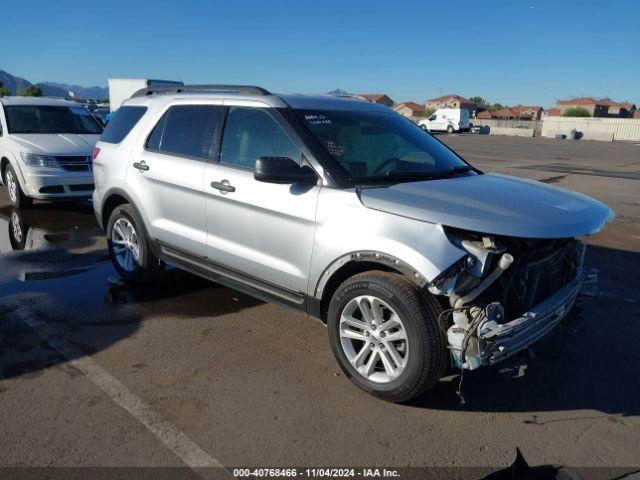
(505, 262)
(506, 293)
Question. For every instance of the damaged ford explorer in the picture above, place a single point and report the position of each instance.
(346, 211)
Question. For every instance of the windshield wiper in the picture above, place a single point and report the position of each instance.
(395, 177)
(460, 169)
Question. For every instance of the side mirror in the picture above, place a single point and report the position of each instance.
(283, 170)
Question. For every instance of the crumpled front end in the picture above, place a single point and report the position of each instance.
(508, 293)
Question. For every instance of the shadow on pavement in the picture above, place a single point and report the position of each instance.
(94, 311)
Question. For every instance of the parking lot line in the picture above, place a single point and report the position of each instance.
(173, 438)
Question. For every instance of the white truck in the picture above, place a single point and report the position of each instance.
(120, 89)
(447, 120)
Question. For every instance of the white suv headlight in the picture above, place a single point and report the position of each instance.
(39, 161)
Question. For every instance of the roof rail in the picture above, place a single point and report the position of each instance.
(246, 89)
(350, 95)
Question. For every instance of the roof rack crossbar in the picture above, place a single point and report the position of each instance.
(246, 89)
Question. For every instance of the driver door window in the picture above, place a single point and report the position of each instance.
(251, 133)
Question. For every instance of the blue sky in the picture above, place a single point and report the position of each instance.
(511, 51)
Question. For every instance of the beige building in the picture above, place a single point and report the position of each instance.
(604, 107)
(451, 101)
(519, 112)
(411, 110)
(593, 106)
(379, 98)
(528, 112)
(619, 110)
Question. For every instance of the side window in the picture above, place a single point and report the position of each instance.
(251, 133)
(121, 124)
(153, 142)
(187, 130)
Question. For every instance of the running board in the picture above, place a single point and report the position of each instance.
(253, 286)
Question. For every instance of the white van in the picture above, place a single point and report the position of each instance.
(447, 120)
(45, 149)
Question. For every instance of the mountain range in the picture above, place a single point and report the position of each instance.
(52, 89)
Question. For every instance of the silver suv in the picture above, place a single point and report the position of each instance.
(345, 211)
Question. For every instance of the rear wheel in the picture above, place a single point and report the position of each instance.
(18, 198)
(383, 332)
(129, 247)
(450, 129)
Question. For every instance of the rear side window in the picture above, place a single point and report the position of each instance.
(121, 124)
(251, 133)
(188, 131)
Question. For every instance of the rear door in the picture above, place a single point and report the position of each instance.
(167, 174)
(261, 229)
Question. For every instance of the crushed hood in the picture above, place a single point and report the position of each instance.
(57, 143)
(495, 204)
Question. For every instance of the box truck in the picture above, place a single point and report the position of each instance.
(447, 120)
(121, 89)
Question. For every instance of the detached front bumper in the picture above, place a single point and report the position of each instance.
(498, 342)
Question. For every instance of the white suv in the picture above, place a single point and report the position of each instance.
(345, 211)
(45, 149)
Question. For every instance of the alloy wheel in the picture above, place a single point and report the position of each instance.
(374, 339)
(126, 247)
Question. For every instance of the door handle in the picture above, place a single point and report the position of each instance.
(224, 186)
(142, 166)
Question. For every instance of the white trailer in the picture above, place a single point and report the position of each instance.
(121, 89)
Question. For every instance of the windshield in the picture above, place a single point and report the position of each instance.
(50, 119)
(381, 146)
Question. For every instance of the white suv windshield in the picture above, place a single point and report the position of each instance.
(379, 146)
(50, 119)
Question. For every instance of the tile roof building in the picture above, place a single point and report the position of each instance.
(380, 98)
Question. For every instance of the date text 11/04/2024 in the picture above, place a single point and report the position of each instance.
(316, 472)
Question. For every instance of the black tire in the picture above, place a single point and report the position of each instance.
(427, 357)
(147, 266)
(424, 127)
(449, 129)
(19, 198)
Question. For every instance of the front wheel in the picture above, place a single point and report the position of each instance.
(424, 127)
(129, 247)
(18, 198)
(385, 336)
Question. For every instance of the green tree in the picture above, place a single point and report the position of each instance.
(3, 91)
(495, 106)
(31, 91)
(576, 112)
(428, 112)
(479, 101)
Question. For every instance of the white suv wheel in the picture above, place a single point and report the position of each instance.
(126, 248)
(374, 339)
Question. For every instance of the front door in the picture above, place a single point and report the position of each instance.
(262, 230)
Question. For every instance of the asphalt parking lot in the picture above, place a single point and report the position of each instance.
(93, 373)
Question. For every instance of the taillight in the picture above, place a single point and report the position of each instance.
(95, 153)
